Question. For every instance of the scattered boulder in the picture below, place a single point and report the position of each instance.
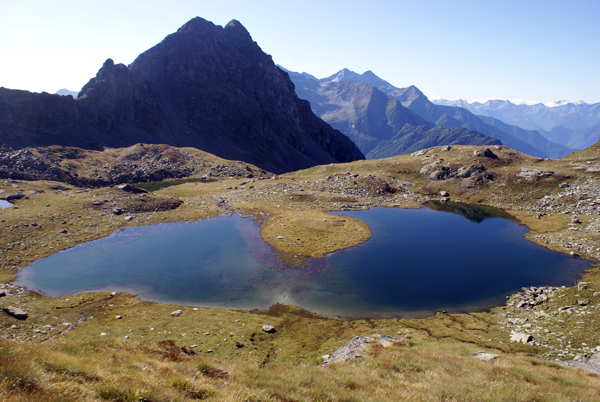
(484, 356)
(176, 313)
(269, 329)
(485, 153)
(575, 219)
(521, 337)
(12, 197)
(3, 293)
(446, 148)
(357, 344)
(584, 302)
(117, 211)
(531, 174)
(16, 312)
(239, 344)
(130, 188)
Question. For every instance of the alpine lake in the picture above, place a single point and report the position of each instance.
(444, 256)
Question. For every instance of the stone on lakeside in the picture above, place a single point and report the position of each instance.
(176, 313)
(269, 329)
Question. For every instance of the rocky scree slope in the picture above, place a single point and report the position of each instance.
(204, 86)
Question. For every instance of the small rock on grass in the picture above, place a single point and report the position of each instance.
(16, 312)
(176, 313)
(521, 337)
(269, 329)
(484, 356)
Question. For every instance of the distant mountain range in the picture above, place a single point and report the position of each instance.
(343, 106)
(66, 92)
(576, 125)
(377, 123)
(204, 86)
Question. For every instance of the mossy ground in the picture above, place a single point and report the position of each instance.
(59, 352)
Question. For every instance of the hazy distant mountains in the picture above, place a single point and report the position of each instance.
(204, 86)
(66, 92)
(527, 141)
(576, 125)
(377, 123)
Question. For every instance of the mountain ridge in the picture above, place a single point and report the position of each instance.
(204, 86)
(574, 124)
(412, 98)
(378, 123)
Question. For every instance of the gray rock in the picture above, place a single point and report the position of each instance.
(484, 356)
(130, 188)
(531, 174)
(16, 312)
(3, 293)
(575, 219)
(584, 302)
(176, 313)
(357, 344)
(486, 153)
(128, 218)
(521, 337)
(595, 359)
(117, 211)
(269, 329)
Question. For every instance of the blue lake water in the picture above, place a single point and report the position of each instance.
(5, 204)
(448, 256)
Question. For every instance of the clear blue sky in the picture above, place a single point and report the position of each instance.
(535, 50)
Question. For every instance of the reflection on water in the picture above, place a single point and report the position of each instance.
(474, 213)
(416, 262)
(5, 204)
(157, 185)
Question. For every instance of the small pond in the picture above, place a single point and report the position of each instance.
(452, 257)
(5, 204)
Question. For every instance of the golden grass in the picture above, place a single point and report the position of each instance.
(415, 371)
(313, 233)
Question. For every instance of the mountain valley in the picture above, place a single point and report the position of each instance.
(205, 125)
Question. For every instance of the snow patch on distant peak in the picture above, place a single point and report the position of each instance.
(556, 103)
(523, 102)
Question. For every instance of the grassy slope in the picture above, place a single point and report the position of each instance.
(41, 360)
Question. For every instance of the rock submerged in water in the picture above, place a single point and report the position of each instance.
(16, 312)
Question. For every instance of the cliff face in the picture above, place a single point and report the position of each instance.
(204, 86)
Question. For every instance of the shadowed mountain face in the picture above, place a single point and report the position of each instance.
(204, 86)
(527, 141)
(377, 123)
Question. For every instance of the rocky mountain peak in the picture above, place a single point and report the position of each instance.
(204, 86)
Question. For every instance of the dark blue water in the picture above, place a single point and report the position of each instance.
(456, 258)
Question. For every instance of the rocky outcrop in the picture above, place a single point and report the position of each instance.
(204, 86)
(354, 347)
